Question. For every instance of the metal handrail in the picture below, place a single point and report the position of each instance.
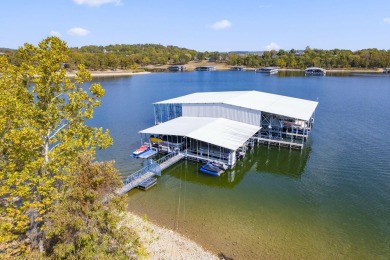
(153, 166)
(166, 157)
(140, 172)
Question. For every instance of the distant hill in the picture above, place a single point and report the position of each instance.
(5, 50)
(247, 52)
(135, 56)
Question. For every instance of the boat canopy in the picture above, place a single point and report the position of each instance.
(221, 132)
(255, 100)
(315, 68)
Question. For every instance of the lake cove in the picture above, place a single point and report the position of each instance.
(329, 200)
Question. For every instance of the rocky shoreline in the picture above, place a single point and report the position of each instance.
(192, 65)
(110, 73)
(162, 243)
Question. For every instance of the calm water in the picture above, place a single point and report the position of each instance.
(330, 201)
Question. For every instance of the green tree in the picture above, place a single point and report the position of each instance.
(85, 208)
(161, 60)
(112, 61)
(234, 59)
(281, 62)
(175, 59)
(42, 130)
(184, 58)
(145, 60)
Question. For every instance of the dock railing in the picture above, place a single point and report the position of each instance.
(169, 159)
(166, 157)
(152, 166)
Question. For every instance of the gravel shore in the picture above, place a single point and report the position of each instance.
(110, 73)
(162, 243)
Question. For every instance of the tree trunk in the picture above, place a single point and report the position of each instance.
(34, 232)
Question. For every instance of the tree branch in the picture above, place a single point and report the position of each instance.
(56, 97)
(59, 129)
(51, 149)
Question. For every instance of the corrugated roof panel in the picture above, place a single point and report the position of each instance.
(256, 100)
(203, 97)
(218, 131)
(225, 133)
(180, 126)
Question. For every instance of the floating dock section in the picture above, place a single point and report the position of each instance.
(147, 184)
(147, 154)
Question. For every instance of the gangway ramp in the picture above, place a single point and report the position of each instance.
(151, 169)
(168, 161)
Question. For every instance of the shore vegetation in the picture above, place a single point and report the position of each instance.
(135, 56)
(55, 202)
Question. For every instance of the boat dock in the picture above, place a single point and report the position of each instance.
(221, 127)
(144, 178)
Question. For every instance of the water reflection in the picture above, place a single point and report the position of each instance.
(262, 159)
(286, 73)
(294, 73)
(189, 171)
(283, 161)
(229, 179)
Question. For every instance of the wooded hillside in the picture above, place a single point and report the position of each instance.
(133, 56)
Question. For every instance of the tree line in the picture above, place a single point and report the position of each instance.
(133, 56)
(367, 59)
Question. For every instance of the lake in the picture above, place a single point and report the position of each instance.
(329, 201)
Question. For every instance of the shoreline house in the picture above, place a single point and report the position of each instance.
(223, 126)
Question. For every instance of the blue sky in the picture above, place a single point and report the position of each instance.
(202, 25)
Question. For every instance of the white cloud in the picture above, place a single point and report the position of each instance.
(220, 25)
(387, 20)
(77, 31)
(55, 33)
(97, 2)
(272, 46)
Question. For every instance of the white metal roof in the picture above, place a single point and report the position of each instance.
(256, 100)
(218, 131)
(314, 68)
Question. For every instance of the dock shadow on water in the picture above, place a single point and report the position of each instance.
(262, 160)
(244, 213)
(274, 161)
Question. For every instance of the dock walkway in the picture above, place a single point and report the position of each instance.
(153, 168)
(166, 161)
(196, 157)
(279, 142)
